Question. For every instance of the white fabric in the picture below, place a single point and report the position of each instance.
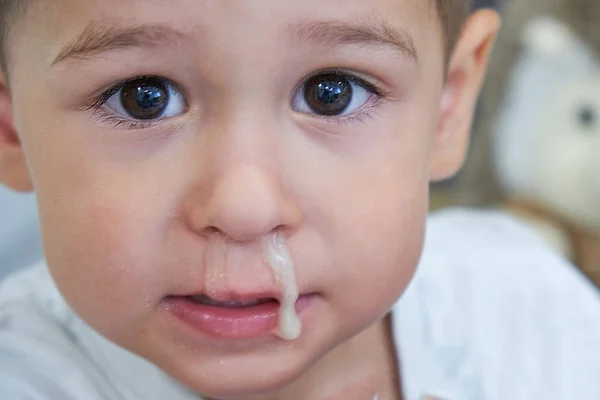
(491, 314)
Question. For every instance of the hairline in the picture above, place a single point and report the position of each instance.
(10, 10)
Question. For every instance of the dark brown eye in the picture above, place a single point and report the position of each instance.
(145, 98)
(328, 94)
(331, 94)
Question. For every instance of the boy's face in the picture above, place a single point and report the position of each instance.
(321, 120)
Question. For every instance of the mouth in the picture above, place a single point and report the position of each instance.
(205, 300)
(240, 317)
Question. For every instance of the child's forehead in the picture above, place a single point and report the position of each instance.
(274, 7)
(67, 22)
(63, 14)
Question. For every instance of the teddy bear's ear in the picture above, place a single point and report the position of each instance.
(549, 36)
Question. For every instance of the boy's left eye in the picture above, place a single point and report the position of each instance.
(332, 94)
(145, 99)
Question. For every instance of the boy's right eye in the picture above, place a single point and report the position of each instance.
(141, 100)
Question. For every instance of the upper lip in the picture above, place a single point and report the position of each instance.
(241, 294)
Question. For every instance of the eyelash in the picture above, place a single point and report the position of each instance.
(131, 124)
(109, 117)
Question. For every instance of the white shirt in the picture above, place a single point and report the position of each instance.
(490, 314)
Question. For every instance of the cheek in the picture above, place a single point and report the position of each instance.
(102, 255)
(379, 220)
(381, 244)
(104, 228)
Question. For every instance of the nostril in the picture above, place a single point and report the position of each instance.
(212, 231)
(280, 228)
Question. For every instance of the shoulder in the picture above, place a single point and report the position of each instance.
(488, 228)
(48, 353)
(496, 250)
(512, 318)
(39, 356)
(29, 298)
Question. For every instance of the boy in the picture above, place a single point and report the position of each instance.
(233, 198)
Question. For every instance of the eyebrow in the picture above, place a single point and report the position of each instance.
(97, 38)
(374, 32)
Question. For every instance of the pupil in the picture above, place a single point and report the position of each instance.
(328, 94)
(145, 98)
(587, 117)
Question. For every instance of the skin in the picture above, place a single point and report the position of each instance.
(128, 215)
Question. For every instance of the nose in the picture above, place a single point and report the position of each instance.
(245, 203)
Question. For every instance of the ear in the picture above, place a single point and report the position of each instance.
(13, 169)
(466, 72)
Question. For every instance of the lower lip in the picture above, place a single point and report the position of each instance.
(231, 323)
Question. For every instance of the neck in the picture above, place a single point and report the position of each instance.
(362, 368)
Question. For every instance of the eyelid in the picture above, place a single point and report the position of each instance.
(106, 94)
(353, 76)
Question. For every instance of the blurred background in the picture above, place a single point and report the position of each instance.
(20, 242)
(536, 137)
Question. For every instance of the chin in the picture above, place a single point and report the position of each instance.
(247, 376)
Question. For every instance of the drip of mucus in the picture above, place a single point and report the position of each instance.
(278, 258)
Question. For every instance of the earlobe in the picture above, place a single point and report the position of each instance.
(465, 75)
(13, 168)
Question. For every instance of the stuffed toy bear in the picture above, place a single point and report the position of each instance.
(536, 149)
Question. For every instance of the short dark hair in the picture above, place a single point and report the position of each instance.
(452, 14)
(8, 12)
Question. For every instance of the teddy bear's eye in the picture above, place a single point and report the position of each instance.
(587, 117)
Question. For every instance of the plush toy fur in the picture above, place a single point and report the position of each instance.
(478, 184)
(564, 34)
